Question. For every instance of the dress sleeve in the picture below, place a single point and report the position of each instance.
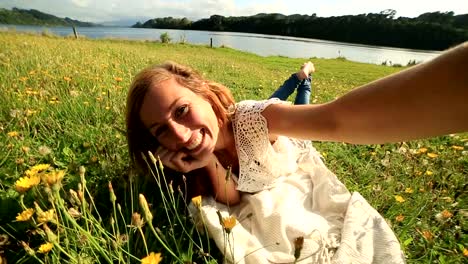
(255, 153)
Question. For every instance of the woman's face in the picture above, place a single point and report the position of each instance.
(180, 120)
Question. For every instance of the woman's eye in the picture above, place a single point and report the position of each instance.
(158, 131)
(182, 110)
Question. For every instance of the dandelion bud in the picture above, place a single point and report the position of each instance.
(38, 208)
(82, 171)
(145, 207)
(74, 197)
(50, 235)
(170, 187)
(80, 192)
(153, 159)
(160, 165)
(74, 213)
(113, 198)
(27, 248)
(137, 221)
(123, 239)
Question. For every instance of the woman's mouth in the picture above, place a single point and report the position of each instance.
(197, 141)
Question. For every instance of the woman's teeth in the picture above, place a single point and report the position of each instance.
(196, 142)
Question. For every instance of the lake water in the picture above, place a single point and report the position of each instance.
(263, 45)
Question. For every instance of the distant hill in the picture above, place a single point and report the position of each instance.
(34, 17)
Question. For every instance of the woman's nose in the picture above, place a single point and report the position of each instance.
(180, 132)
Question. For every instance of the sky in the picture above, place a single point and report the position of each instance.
(140, 10)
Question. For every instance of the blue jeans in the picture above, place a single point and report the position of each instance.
(303, 89)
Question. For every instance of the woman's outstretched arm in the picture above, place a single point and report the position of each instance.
(426, 100)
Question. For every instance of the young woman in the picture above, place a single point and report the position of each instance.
(193, 125)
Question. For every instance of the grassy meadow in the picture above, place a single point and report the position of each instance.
(63, 104)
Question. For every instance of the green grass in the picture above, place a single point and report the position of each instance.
(68, 96)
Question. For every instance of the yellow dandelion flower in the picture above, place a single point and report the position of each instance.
(427, 235)
(45, 248)
(118, 79)
(13, 134)
(400, 218)
(25, 215)
(432, 155)
(458, 147)
(465, 252)
(399, 199)
(197, 201)
(408, 190)
(429, 173)
(47, 216)
(23, 184)
(66, 78)
(152, 258)
(229, 223)
(40, 167)
(446, 214)
(37, 169)
(53, 177)
(422, 150)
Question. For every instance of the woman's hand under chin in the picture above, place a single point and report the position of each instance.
(181, 161)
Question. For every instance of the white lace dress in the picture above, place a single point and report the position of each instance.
(289, 194)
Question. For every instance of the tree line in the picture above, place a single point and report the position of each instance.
(19, 16)
(429, 31)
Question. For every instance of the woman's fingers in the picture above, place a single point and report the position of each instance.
(178, 161)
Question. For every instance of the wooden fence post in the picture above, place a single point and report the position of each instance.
(75, 33)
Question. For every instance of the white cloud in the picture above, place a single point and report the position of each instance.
(81, 3)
